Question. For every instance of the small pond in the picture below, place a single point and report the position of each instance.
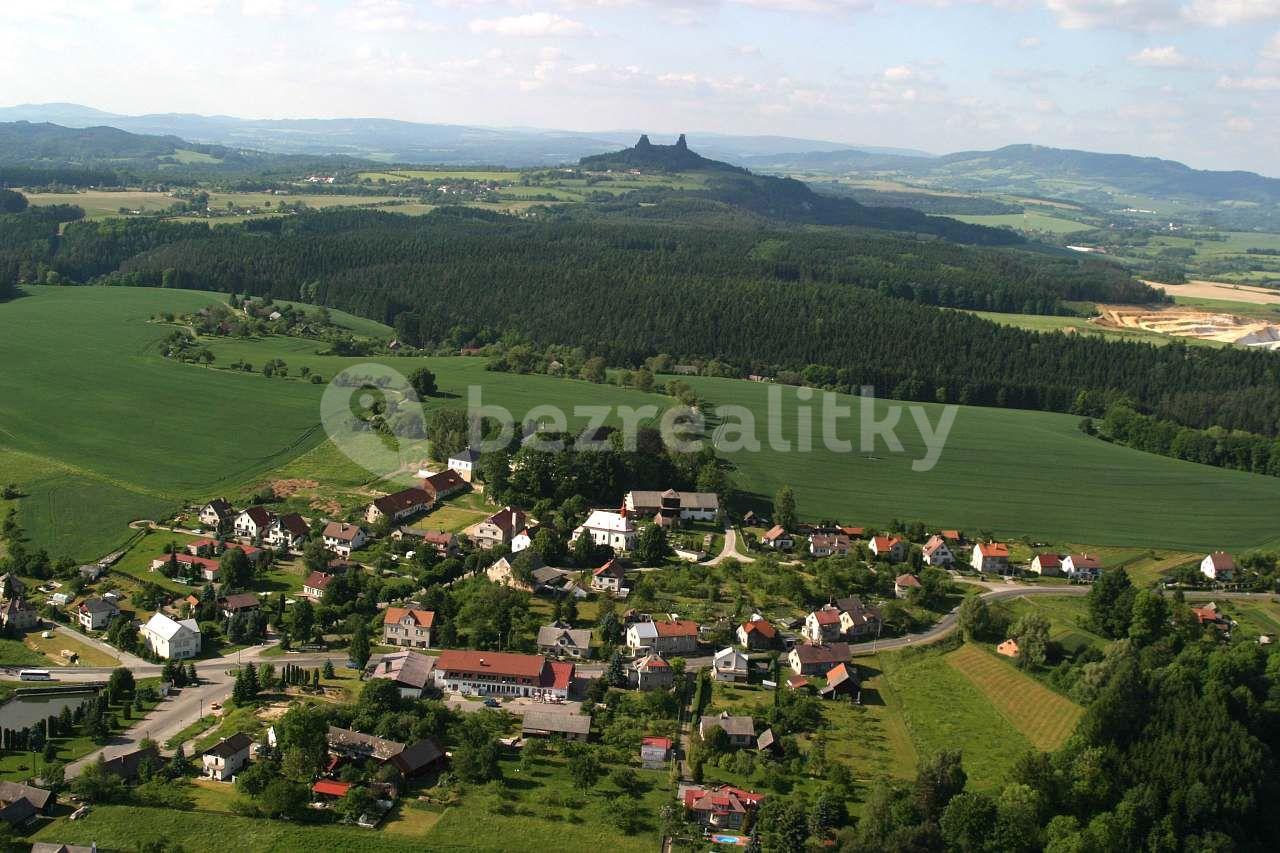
(21, 712)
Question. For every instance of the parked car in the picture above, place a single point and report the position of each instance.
(492, 703)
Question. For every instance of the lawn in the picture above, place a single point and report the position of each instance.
(944, 709)
(200, 725)
(1045, 718)
(136, 563)
(52, 649)
(1068, 617)
(1028, 221)
(17, 653)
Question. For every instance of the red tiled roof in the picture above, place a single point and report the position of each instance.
(760, 626)
(331, 788)
(827, 616)
(993, 549)
(508, 520)
(393, 615)
(610, 569)
(853, 531)
(775, 532)
(880, 544)
(664, 742)
(934, 543)
(677, 628)
(402, 500)
(340, 531)
(1049, 561)
(493, 663)
(557, 674)
(1222, 561)
(260, 515)
(447, 480)
(907, 580)
(317, 580)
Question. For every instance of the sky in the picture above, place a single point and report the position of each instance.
(1192, 80)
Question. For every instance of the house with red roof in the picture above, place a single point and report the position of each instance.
(253, 523)
(499, 528)
(778, 539)
(1081, 566)
(1218, 566)
(1047, 565)
(655, 752)
(903, 584)
(315, 585)
(814, 659)
(400, 505)
(828, 544)
(889, 548)
(757, 634)
(666, 637)
(650, 672)
(842, 681)
(990, 557)
(722, 806)
(480, 673)
(823, 625)
(407, 626)
(937, 553)
(609, 577)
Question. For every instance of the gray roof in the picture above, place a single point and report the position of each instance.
(556, 721)
(549, 635)
(732, 726)
(228, 747)
(688, 500)
(99, 605)
(411, 669)
(39, 797)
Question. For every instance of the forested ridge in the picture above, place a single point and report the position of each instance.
(844, 308)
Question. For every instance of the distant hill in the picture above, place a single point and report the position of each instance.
(776, 199)
(388, 140)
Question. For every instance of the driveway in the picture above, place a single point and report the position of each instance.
(730, 549)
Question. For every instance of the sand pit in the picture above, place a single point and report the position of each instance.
(1188, 323)
(1218, 290)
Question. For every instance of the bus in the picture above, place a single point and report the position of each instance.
(35, 675)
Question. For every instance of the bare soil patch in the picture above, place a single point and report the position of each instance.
(1218, 290)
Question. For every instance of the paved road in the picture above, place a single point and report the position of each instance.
(730, 549)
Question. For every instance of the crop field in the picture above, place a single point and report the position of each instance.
(1044, 718)
(98, 204)
(1028, 221)
(944, 709)
(1079, 326)
(394, 175)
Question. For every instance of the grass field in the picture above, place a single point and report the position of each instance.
(98, 204)
(1044, 718)
(1081, 326)
(1067, 615)
(52, 648)
(944, 709)
(1029, 221)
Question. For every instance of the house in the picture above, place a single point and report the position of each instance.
(203, 567)
(253, 523)
(95, 614)
(814, 659)
(315, 585)
(903, 584)
(20, 804)
(398, 506)
(463, 463)
(11, 586)
(828, 544)
(539, 723)
(407, 626)
(937, 553)
(288, 531)
(170, 639)
(609, 528)
(1218, 566)
(444, 542)
(741, 730)
(778, 539)
(499, 528)
(330, 788)
(521, 541)
(441, 485)
(502, 673)
(671, 507)
(239, 602)
(730, 665)
(361, 747)
(798, 682)
(417, 758)
(823, 624)
(1081, 566)
(342, 538)
(17, 615)
(650, 672)
(1209, 614)
(667, 637)
(216, 514)
(842, 681)
(411, 671)
(609, 577)
(757, 634)
(889, 548)
(990, 557)
(720, 807)
(560, 640)
(953, 537)
(858, 619)
(1047, 565)
(224, 759)
(128, 765)
(655, 752)
(852, 532)
(1009, 648)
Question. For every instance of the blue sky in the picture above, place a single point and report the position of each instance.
(1194, 80)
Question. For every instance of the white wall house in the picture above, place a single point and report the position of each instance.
(170, 639)
(1218, 566)
(342, 539)
(609, 528)
(936, 552)
(521, 541)
(464, 463)
(253, 523)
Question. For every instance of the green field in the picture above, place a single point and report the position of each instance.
(1028, 221)
(1081, 326)
(944, 709)
(117, 420)
(98, 204)
(1044, 718)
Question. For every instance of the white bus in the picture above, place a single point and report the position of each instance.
(35, 675)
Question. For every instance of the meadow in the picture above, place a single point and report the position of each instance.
(99, 204)
(1026, 221)
(98, 407)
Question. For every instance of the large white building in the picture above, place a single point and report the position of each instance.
(609, 528)
(171, 639)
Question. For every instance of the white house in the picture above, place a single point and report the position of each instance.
(608, 578)
(889, 548)
(778, 539)
(171, 639)
(1081, 566)
(609, 528)
(823, 624)
(464, 463)
(225, 758)
(990, 557)
(520, 541)
(1218, 566)
(674, 637)
(288, 531)
(1047, 565)
(216, 513)
(95, 614)
(253, 523)
(730, 665)
(936, 552)
(903, 584)
(342, 538)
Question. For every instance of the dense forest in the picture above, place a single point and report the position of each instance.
(846, 308)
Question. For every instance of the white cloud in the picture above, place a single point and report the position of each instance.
(819, 6)
(532, 25)
(275, 8)
(1121, 14)
(1030, 42)
(1271, 51)
(1167, 56)
(1239, 124)
(1223, 13)
(1249, 84)
(385, 16)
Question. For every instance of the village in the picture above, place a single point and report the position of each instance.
(570, 657)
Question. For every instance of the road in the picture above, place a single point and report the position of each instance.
(730, 549)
